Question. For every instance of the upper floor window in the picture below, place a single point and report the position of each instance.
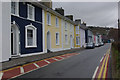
(31, 35)
(15, 8)
(71, 27)
(48, 18)
(77, 29)
(65, 26)
(31, 12)
(57, 22)
(66, 39)
(57, 38)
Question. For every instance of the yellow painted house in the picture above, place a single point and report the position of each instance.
(52, 32)
(77, 35)
(58, 31)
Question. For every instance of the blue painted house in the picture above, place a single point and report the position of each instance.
(26, 29)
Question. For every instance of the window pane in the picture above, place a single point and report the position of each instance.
(56, 38)
(13, 7)
(30, 37)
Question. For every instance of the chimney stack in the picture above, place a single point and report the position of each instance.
(60, 10)
(70, 17)
(84, 23)
(47, 3)
(78, 21)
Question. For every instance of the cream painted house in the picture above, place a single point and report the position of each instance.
(67, 35)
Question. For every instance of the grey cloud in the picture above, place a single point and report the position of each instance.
(94, 13)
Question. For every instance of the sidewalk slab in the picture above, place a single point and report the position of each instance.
(24, 60)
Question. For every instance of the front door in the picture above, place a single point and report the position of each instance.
(12, 43)
(71, 41)
(14, 40)
(48, 41)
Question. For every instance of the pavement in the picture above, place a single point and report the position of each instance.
(89, 63)
(24, 60)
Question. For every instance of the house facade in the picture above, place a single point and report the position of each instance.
(82, 35)
(52, 33)
(79, 33)
(67, 35)
(26, 29)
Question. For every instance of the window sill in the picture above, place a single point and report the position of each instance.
(49, 24)
(31, 19)
(57, 44)
(15, 15)
(57, 26)
(31, 47)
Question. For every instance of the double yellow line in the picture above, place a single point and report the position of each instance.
(103, 69)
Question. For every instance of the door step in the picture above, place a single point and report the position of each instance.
(15, 56)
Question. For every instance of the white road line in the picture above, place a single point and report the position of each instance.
(47, 61)
(45, 65)
(21, 70)
(95, 73)
(55, 59)
(60, 57)
(36, 65)
(101, 59)
(1, 74)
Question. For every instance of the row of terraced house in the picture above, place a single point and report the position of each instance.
(31, 28)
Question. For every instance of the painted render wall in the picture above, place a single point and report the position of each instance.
(68, 32)
(5, 31)
(53, 29)
(82, 37)
(75, 35)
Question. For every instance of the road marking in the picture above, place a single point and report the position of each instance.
(101, 70)
(101, 59)
(95, 73)
(45, 65)
(1, 74)
(47, 61)
(36, 65)
(22, 70)
(55, 59)
(60, 57)
(104, 73)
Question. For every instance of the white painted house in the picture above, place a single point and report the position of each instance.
(5, 30)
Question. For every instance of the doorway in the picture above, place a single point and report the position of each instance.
(71, 41)
(48, 42)
(14, 41)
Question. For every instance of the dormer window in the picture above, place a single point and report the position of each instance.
(31, 12)
(15, 8)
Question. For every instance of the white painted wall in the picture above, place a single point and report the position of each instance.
(5, 31)
(82, 37)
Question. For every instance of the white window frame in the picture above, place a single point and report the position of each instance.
(71, 27)
(57, 21)
(77, 43)
(58, 37)
(16, 10)
(34, 36)
(33, 12)
(65, 25)
(77, 30)
(66, 42)
(49, 21)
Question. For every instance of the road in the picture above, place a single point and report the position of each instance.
(78, 66)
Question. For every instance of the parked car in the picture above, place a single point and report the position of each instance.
(90, 45)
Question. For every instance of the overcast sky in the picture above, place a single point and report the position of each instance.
(93, 13)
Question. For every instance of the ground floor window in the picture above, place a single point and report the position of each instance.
(77, 40)
(57, 38)
(31, 33)
(66, 39)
